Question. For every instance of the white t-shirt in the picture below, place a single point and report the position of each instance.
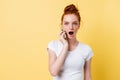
(72, 68)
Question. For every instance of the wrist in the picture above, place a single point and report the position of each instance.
(65, 46)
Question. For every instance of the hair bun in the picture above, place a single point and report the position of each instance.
(70, 9)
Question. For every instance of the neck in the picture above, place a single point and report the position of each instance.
(72, 41)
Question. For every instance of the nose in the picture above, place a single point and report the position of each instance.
(71, 27)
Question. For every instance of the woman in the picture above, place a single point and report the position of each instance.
(68, 57)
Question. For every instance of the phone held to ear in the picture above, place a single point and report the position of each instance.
(65, 36)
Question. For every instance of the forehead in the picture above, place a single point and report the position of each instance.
(70, 18)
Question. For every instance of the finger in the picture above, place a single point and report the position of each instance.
(60, 32)
(63, 34)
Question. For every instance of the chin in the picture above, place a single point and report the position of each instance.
(70, 38)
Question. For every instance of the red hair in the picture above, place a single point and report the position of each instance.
(71, 9)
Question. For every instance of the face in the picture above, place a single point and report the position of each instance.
(71, 25)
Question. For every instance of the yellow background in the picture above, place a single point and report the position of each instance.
(26, 27)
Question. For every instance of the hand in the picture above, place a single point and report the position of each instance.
(63, 38)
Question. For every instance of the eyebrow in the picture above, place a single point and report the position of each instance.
(75, 21)
(68, 21)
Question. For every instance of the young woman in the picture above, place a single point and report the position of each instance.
(69, 59)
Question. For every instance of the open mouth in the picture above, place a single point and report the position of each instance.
(71, 33)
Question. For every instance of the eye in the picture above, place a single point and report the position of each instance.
(75, 23)
(66, 23)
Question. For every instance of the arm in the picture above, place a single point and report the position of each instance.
(87, 70)
(55, 63)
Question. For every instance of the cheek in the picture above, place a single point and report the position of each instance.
(76, 29)
(65, 28)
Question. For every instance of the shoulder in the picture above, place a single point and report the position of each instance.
(54, 42)
(55, 45)
(88, 53)
(85, 46)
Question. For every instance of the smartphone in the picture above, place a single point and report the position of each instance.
(65, 36)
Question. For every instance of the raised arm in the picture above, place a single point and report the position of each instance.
(55, 63)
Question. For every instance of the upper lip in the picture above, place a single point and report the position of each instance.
(70, 31)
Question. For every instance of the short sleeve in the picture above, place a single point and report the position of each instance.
(90, 54)
(51, 46)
